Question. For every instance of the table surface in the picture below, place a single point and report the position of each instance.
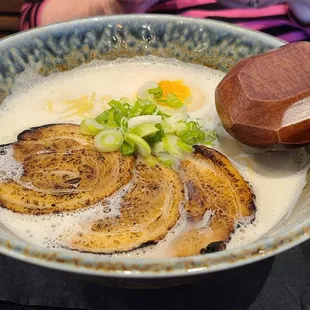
(280, 283)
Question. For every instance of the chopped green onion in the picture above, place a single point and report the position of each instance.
(127, 149)
(157, 92)
(143, 91)
(144, 130)
(168, 126)
(165, 110)
(110, 118)
(90, 126)
(138, 107)
(125, 100)
(151, 99)
(167, 162)
(181, 126)
(172, 124)
(103, 117)
(157, 136)
(192, 125)
(210, 136)
(151, 160)
(113, 120)
(192, 137)
(162, 114)
(118, 105)
(158, 148)
(145, 127)
(185, 147)
(149, 109)
(124, 124)
(173, 101)
(118, 116)
(144, 119)
(126, 106)
(109, 140)
(171, 145)
(142, 146)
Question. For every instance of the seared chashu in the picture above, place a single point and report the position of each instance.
(213, 184)
(147, 212)
(62, 171)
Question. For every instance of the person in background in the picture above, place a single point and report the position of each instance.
(288, 20)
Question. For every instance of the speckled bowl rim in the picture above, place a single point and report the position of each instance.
(75, 262)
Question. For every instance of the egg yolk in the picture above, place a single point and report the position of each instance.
(175, 87)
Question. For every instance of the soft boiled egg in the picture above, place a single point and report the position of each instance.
(192, 97)
(177, 88)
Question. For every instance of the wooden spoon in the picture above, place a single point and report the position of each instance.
(264, 101)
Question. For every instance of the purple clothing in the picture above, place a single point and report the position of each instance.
(274, 17)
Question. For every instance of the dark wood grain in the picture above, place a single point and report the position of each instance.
(264, 101)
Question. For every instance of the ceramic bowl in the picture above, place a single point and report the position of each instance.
(64, 46)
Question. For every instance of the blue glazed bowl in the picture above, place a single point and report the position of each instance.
(64, 46)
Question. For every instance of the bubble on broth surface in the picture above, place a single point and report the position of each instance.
(10, 169)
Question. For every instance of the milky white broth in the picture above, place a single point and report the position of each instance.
(277, 179)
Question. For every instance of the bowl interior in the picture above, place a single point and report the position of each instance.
(62, 47)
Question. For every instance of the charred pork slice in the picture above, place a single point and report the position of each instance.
(62, 171)
(147, 212)
(213, 184)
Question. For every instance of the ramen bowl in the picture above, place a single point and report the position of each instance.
(65, 46)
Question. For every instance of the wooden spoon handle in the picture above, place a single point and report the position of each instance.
(264, 100)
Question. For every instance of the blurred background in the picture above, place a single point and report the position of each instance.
(288, 20)
(9, 16)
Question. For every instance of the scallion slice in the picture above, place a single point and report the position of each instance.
(143, 91)
(157, 92)
(91, 127)
(151, 160)
(210, 136)
(150, 125)
(125, 100)
(167, 162)
(180, 127)
(121, 107)
(185, 147)
(109, 140)
(173, 101)
(127, 149)
(171, 145)
(149, 109)
(144, 119)
(192, 137)
(158, 148)
(103, 117)
(142, 146)
(156, 137)
(124, 124)
(144, 130)
(138, 107)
